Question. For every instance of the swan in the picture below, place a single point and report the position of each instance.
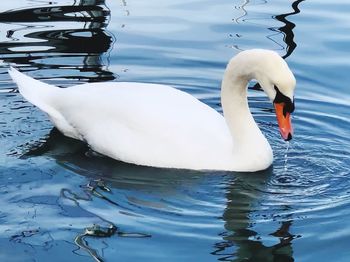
(160, 126)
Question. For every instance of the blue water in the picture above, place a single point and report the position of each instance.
(62, 202)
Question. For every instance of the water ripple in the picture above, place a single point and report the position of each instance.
(59, 197)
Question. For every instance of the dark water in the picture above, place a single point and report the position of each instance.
(62, 202)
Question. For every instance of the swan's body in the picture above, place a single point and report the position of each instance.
(157, 125)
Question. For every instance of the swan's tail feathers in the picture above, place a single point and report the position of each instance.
(36, 92)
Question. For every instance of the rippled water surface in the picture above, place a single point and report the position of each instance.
(62, 202)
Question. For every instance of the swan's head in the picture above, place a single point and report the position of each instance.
(278, 82)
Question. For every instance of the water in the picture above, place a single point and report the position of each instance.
(62, 202)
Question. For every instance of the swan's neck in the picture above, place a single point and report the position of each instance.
(247, 137)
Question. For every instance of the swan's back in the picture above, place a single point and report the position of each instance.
(145, 124)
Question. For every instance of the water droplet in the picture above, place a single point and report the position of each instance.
(286, 157)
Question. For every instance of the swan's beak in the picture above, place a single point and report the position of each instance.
(284, 121)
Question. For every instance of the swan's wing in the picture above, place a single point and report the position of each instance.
(146, 124)
(139, 123)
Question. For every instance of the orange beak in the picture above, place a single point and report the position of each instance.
(284, 122)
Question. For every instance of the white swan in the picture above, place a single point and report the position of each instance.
(157, 125)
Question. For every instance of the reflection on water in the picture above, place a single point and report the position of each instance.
(240, 241)
(60, 199)
(46, 37)
(243, 191)
(287, 28)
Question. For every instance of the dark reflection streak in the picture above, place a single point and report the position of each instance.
(92, 188)
(270, 37)
(288, 27)
(288, 33)
(240, 241)
(10, 33)
(127, 11)
(55, 14)
(87, 40)
(242, 6)
(96, 231)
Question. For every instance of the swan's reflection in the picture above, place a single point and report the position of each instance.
(243, 192)
(76, 155)
(240, 242)
(44, 37)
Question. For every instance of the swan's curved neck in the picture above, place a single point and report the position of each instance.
(245, 133)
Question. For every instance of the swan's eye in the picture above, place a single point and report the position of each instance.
(289, 106)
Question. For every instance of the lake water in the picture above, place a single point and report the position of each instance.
(62, 202)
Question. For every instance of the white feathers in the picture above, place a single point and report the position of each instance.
(42, 93)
